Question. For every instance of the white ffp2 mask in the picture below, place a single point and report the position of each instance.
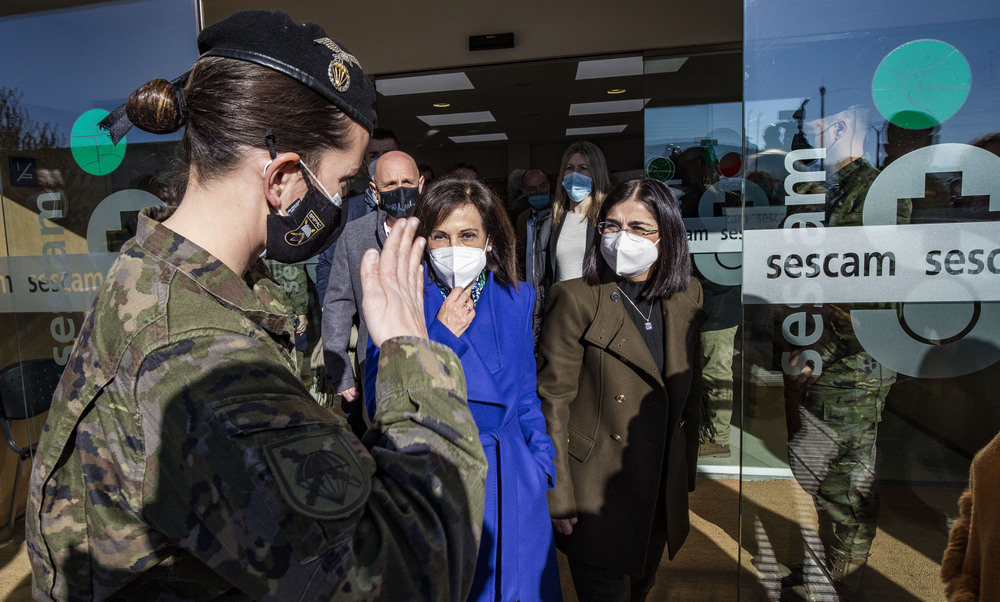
(628, 254)
(458, 266)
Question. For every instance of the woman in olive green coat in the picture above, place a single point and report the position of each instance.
(620, 388)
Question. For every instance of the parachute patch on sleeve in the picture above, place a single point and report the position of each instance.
(318, 474)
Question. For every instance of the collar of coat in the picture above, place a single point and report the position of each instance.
(613, 330)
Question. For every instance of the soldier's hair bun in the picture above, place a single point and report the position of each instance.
(157, 107)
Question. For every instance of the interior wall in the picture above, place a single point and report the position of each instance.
(395, 36)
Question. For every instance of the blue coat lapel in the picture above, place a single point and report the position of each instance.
(481, 358)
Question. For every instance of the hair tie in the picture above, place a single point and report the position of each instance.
(181, 97)
(118, 123)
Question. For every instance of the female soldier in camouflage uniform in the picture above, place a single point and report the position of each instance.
(183, 458)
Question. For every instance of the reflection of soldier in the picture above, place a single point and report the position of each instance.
(696, 168)
(722, 304)
(833, 434)
(696, 175)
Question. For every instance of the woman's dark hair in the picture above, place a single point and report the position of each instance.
(446, 194)
(672, 269)
(228, 106)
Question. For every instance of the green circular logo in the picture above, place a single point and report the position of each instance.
(921, 84)
(660, 168)
(91, 146)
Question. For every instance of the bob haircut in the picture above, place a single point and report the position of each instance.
(599, 174)
(672, 268)
(446, 194)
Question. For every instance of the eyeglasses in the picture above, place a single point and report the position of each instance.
(609, 228)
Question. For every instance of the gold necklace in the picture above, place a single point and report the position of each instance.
(649, 323)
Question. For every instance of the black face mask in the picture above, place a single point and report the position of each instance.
(307, 230)
(370, 199)
(399, 202)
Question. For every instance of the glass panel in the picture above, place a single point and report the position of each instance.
(68, 197)
(693, 142)
(868, 350)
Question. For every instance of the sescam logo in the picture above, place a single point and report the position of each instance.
(936, 340)
(716, 243)
(956, 265)
(944, 279)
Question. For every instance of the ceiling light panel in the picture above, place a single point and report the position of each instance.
(609, 68)
(457, 118)
(665, 65)
(607, 106)
(602, 129)
(479, 138)
(422, 84)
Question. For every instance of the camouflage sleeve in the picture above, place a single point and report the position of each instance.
(296, 286)
(273, 494)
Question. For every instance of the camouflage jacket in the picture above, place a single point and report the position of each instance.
(292, 279)
(182, 458)
(846, 190)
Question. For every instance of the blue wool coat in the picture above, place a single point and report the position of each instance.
(497, 353)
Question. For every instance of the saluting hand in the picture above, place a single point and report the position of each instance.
(457, 311)
(393, 285)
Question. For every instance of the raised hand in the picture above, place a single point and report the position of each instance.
(393, 285)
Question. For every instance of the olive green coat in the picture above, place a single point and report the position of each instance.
(625, 434)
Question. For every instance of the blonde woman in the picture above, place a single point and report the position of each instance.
(585, 182)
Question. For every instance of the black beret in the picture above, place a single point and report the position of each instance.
(301, 51)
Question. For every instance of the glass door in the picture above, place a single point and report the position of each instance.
(870, 289)
(68, 198)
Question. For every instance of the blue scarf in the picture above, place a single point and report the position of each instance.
(474, 293)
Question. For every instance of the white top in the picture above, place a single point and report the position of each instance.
(571, 247)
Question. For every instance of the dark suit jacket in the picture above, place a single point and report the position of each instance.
(625, 435)
(342, 310)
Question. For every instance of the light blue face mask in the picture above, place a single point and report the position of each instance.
(577, 186)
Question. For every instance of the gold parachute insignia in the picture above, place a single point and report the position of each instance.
(338, 73)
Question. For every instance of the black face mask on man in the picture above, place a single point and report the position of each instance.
(308, 227)
(399, 202)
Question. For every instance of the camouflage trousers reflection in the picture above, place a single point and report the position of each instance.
(717, 382)
(833, 457)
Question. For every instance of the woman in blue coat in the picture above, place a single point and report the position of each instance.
(474, 304)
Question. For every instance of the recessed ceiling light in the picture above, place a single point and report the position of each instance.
(604, 129)
(631, 65)
(479, 138)
(420, 84)
(616, 91)
(457, 118)
(608, 106)
(442, 105)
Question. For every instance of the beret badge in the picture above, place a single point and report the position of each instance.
(339, 76)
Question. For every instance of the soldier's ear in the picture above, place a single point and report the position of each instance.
(838, 129)
(282, 179)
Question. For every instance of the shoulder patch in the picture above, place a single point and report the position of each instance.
(318, 474)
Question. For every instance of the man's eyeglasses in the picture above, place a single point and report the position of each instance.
(609, 228)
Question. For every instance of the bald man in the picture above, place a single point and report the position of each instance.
(396, 184)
